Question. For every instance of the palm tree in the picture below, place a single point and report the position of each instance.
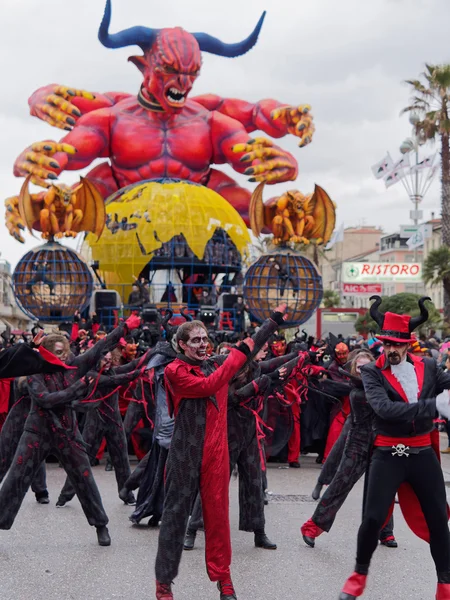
(431, 102)
(436, 271)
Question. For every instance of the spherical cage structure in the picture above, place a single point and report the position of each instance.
(51, 282)
(283, 278)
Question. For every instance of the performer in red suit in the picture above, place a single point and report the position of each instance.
(197, 394)
(402, 388)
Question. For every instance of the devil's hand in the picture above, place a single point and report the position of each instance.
(13, 220)
(38, 161)
(53, 104)
(298, 120)
(268, 162)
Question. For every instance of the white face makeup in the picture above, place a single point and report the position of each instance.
(60, 351)
(197, 344)
(360, 362)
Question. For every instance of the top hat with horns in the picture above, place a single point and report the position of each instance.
(397, 328)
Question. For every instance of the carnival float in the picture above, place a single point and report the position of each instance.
(158, 208)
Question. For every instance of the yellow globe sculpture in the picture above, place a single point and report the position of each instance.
(143, 216)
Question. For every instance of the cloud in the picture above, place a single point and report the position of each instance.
(347, 59)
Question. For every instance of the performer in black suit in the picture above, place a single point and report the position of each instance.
(402, 388)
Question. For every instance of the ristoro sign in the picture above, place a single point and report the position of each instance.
(372, 272)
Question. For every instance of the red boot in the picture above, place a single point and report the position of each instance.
(309, 532)
(443, 591)
(163, 591)
(354, 587)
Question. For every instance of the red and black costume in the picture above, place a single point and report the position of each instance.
(198, 459)
(345, 465)
(245, 408)
(339, 412)
(405, 458)
(104, 421)
(51, 427)
(11, 433)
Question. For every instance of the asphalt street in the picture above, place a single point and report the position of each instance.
(52, 553)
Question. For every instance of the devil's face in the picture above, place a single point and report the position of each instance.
(170, 69)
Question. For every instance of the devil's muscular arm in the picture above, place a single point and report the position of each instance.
(254, 117)
(91, 138)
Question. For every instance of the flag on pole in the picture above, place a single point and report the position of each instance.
(434, 169)
(382, 167)
(337, 236)
(394, 177)
(418, 239)
(402, 163)
(423, 164)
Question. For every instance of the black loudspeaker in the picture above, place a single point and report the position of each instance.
(229, 300)
(105, 299)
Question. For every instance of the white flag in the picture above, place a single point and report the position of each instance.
(402, 163)
(423, 164)
(423, 232)
(434, 169)
(384, 166)
(337, 236)
(394, 177)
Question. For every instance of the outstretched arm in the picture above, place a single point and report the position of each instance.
(86, 142)
(183, 383)
(259, 157)
(270, 116)
(61, 106)
(39, 393)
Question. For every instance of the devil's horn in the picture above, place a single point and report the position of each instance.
(186, 315)
(376, 315)
(422, 318)
(134, 36)
(168, 315)
(213, 45)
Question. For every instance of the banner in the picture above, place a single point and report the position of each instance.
(362, 289)
(373, 272)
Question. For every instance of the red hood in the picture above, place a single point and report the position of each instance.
(52, 358)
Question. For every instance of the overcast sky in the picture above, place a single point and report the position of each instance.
(347, 59)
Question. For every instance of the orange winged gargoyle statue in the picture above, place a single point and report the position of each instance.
(294, 217)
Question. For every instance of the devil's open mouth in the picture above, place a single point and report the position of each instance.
(175, 95)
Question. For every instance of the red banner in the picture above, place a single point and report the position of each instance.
(362, 289)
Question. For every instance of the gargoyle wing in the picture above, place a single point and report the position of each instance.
(91, 203)
(29, 210)
(323, 209)
(260, 213)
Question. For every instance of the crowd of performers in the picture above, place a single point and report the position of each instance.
(195, 411)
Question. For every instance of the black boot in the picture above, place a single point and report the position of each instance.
(316, 491)
(128, 498)
(103, 536)
(226, 590)
(61, 502)
(262, 541)
(189, 539)
(109, 466)
(42, 497)
(295, 465)
(344, 596)
(154, 521)
(390, 543)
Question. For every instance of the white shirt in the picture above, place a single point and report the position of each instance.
(405, 374)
